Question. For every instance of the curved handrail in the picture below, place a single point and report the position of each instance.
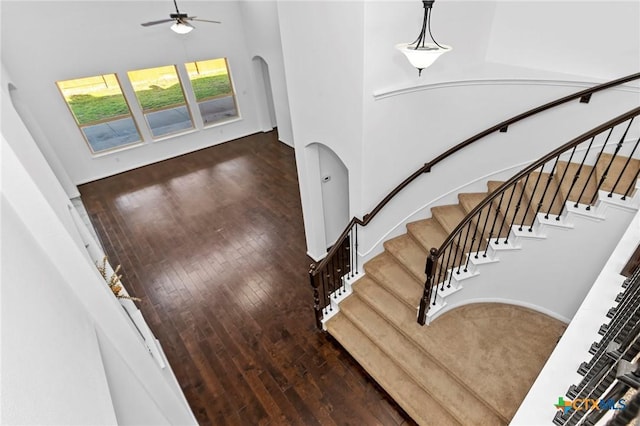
(440, 264)
(426, 168)
(533, 166)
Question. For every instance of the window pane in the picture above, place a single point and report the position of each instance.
(101, 111)
(111, 135)
(213, 89)
(168, 121)
(161, 97)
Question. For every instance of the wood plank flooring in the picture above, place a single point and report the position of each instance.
(213, 243)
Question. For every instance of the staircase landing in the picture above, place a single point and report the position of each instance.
(472, 365)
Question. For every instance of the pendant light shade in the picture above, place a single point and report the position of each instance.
(422, 56)
(420, 53)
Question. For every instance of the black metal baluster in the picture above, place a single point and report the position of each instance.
(444, 268)
(524, 215)
(546, 188)
(517, 208)
(332, 276)
(633, 182)
(555, 194)
(504, 217)
(434, 294)
(624, 168)
(453, 266)
(436, 277)
(327, 293)
(495, 219)
(606, 171)
(576, 178)
(464, 247)
(473, 239)
(355, 252)
(593, 169)
(351, 263)
(439, 265)
(484, 227)
(533, 193)
(340, 267)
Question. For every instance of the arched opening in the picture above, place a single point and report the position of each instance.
(267, 108)
(42, 141)
(333, 178)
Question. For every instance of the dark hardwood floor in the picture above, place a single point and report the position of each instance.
(213, 243)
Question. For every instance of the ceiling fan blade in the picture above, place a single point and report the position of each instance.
(204, 20)
(162, 21)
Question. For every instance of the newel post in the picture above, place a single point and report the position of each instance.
(426, 294)
(316, 295)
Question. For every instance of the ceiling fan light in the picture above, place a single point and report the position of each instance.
(181, 27)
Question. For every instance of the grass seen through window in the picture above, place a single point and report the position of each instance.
(101, 111)
(213, 90)
(89, 108)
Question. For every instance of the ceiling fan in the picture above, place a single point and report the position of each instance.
(180, 21)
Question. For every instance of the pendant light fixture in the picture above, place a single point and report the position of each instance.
(420, 53)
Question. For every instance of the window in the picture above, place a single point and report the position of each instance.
(101, 111)
(213, 89)
(162, 100)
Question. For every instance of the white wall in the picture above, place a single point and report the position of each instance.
(43, 142)
(14, 131)
(69, 39)
(42, 384)
(54, 302)
(261, 25)
(594, 38)
(322, 46)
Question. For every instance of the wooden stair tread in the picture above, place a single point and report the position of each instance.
(409, 253)
(434, 379)
(402, 388)
(615, 168)
(385, 270)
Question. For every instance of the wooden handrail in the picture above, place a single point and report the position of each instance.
(556, 152)
(426, 168)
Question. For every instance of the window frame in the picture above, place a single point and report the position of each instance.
(144, 112)
(94, 153)
(233, 94)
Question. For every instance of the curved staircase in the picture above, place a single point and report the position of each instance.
(473, 364)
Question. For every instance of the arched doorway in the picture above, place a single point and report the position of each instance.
(334, 184)
(267, 108)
